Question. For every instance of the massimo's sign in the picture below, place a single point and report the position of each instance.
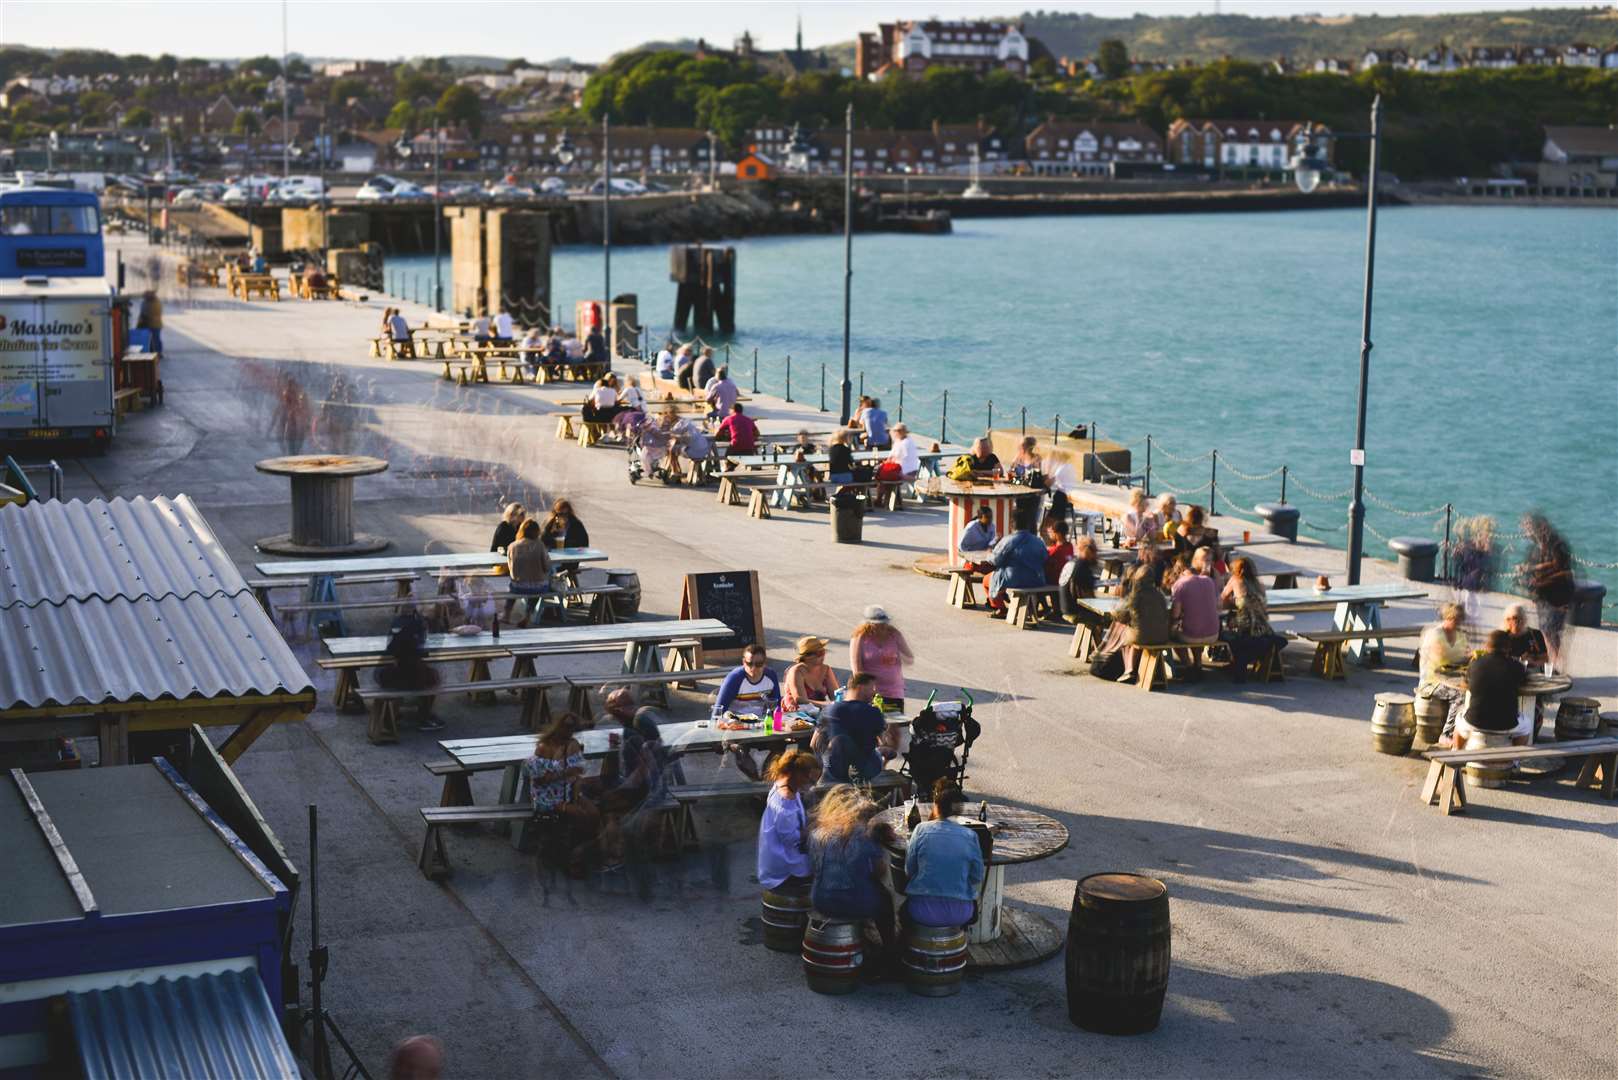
(59, 341)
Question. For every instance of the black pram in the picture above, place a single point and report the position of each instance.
(935, 734)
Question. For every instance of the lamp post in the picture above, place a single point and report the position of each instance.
(848, 247)
(1307, 168)
(564, 153)
(606, 227)
(438, 222)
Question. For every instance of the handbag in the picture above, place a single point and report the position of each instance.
(576, 810)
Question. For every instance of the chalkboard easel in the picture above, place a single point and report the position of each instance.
(731, 596)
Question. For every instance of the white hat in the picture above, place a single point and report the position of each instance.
(875, 614)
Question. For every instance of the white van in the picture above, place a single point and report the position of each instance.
(297, 191)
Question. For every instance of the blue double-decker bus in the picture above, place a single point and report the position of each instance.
(50, 232)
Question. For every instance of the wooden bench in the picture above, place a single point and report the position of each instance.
(458, 779)
(1023, 606)
(758, 503)
(579, 686)
(345, 695)
(962, 582)
(263, 285)
(532, 689)
(572, 371)
(126, 400)
(1329, 645)
(592, 432)
(433, 860)
(402, 580)
(1445, 785)
(468, 371)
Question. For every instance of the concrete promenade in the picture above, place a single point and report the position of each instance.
(1326, 923)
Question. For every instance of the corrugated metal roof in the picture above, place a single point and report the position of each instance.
(94, 651)
(198, 1027)
(52, 552)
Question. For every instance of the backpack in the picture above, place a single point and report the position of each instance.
(962, 469)
(1107, 665)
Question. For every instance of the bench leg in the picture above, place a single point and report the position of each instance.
(1150, 675)
(434, 860)
(1084, 643)
(578, 699)
(601, 613)
(1429, 788)
(457, 790)
(479, 672)
(1600, 771)
(522, 667)
(1452, 790)
(955, 598)
(345, 696)
(758, 506)
(536, 709)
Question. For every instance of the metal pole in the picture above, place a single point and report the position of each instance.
(862, 384)
(438, 222)
(1025, 421)
(1056, 429)
(1448, 509)
(943, 421)
(823, 387)
(990, 426)
(848, 246)
(286, 90)
(1148, 466)
(317, 953)
(1213, 484)
(606, 227)
(901, 399)
(789, 377)
(755, 369)
(1356, 508)
(1283, 484)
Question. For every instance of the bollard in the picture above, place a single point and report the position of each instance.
(789, 378)
(1279, 519)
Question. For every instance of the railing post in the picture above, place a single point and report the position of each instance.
(901, 400)
(1448, 508)
(1093, 460)
(1148, 466)
(1056, 430)
(1213, 483)
(943, 421)
(990, 426)
(755, 369)
(1283, 484)
(727, 354)
(1024, 422)
(822, 386)
(789, 378)
(862, 384)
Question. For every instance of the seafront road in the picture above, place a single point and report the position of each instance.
(1325, 922)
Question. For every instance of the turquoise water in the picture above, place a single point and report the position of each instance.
(1494, 380)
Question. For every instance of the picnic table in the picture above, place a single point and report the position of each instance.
(641, 641)
(1539, 686)
(1354, 607)
(1003, 936)
(794, 480)
(323, 572)
(322, 504)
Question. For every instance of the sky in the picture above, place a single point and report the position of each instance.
(539, 30)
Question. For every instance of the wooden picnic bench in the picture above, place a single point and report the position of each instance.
(457, 779)
(1329, 645)
(1023, 606)
(262, 586)
(384, 705)
(962, 582)
(579, 686)
(265, 285)
(1445, 785)
(434, 860)
(468, 370)
(126, 400)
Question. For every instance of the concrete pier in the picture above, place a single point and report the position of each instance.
(1325, 922)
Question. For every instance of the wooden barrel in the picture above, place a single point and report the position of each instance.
(934, 959)
(1393, 724)
(831, 955)
(1493, 774)
(625, 604)
(1577, 718)
(1118, 953)
(1431, 712)
(786, 911)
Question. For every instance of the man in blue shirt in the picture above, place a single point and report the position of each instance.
(853, 726)
(978, 536)
(875, 422)
(1019, 562)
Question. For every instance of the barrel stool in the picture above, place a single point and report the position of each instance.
(832, 954)
(1577, 718)
(1431, 713)
(786, 911)
(1118, 942)
(934, 959)
(1488, 774)
(1393, 724)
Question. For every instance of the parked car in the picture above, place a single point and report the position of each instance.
(405, 191)
(506, 192)
(296, 191)
(378, 188)
(553, 185)
(621, 185)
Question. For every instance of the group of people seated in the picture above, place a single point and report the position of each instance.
(611, 398)
(1484, 699)
(527, 543)
(540, 347)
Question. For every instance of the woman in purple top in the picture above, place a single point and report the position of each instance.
(783, 833)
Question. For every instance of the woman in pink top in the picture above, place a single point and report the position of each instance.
(878, 647)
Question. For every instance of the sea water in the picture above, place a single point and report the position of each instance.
(1493, 380)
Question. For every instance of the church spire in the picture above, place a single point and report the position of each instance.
(800, 33)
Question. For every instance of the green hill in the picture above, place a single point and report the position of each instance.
(1306, 37)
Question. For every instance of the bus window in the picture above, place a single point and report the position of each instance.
(74, 221)
(24, 220)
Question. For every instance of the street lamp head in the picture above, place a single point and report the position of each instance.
(1308, 164)
(799, 152)
(565, 150)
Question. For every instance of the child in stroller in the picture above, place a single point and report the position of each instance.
(938, 730)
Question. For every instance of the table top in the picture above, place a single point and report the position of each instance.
(322, 465)
(686, 737)
(768, 460)
(1280, 599)
(1020, 835)
(536, 638)
(444, 560)
(955, 489)
(1538, 685)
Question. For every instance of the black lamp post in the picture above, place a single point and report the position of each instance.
(848, 248)
(438, 222)
(1307, 168)
(564, 153)
(606, 229)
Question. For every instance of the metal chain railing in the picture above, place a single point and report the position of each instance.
(1390, 508)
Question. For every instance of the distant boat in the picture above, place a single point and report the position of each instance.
(974, 190)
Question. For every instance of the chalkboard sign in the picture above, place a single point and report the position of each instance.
(731, 596)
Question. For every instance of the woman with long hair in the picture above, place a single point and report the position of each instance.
(563, 529)
(505, 530)
(529, 569)
(1250, 632)
(783, 833)
(1139, 522)
(878, 647)
(552, 771)
(850, 868)
(943, 864)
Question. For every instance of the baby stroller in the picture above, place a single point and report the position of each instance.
(935, 734)
(648, 446)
